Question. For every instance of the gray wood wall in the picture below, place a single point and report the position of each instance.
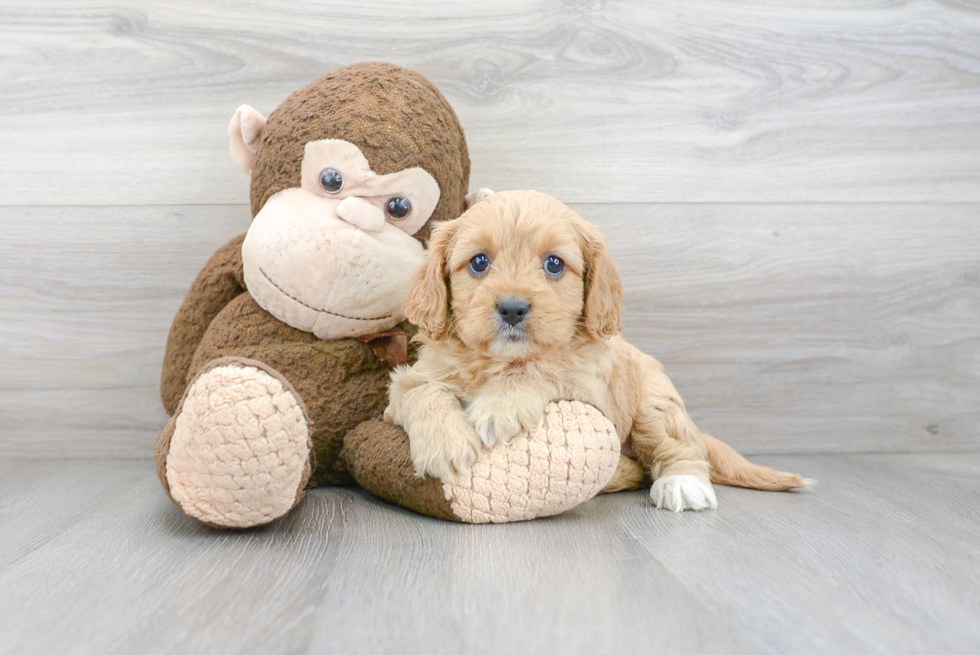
(793, 192)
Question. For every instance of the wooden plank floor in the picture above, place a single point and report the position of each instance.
(882, 557)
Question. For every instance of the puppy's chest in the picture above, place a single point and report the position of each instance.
(589, 386)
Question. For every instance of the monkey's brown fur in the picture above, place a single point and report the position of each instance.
(395, 116)
(398, 119)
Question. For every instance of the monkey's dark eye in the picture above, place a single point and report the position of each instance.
(398, 208)
(554, 266)
(479, 264)
(331, 180)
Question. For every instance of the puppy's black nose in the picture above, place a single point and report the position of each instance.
(513, 310)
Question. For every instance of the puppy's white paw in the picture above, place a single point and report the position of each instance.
(680, 492)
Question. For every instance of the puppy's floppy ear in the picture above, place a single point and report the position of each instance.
(427, 305)
(603, 288)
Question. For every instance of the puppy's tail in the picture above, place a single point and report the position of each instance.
(728, 467)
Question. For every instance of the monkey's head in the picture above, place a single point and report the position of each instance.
(348, 176)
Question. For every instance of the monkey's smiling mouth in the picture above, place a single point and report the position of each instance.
(317, 309)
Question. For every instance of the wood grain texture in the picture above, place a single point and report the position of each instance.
(810, 328)
(592, 101)
(881, 558)
(792, 191)
(87, 299)
(787, 328)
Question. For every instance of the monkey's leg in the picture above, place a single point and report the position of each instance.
(236, 453)
(338, 384)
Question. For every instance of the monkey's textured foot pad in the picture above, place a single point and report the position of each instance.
(542, 472)
(239, 453)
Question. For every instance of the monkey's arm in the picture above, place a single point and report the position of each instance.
(218, 283)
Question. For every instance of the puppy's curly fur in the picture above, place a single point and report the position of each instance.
(540, 323)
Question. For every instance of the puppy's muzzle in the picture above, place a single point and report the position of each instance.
(513, 311)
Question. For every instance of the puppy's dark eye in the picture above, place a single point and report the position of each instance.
(479, 264)
(331, 180)
(554, 266)
(398, 208)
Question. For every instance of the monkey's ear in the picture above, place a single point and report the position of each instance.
(603, 287)
(477, 196)
(427, 305)
(244, 132)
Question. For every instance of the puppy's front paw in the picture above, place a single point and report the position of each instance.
(486, 428)
(443, 449)
(501, 419)
(680, 492)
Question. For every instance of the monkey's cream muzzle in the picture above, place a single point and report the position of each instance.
(313, 270)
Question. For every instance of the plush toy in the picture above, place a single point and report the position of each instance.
(278, 360)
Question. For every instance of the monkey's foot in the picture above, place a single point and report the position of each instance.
(240, 447)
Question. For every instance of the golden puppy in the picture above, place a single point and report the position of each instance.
(518, 304)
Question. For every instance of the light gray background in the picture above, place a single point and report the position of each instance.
(792, 192)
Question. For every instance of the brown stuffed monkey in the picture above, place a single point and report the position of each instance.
(279, 357)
